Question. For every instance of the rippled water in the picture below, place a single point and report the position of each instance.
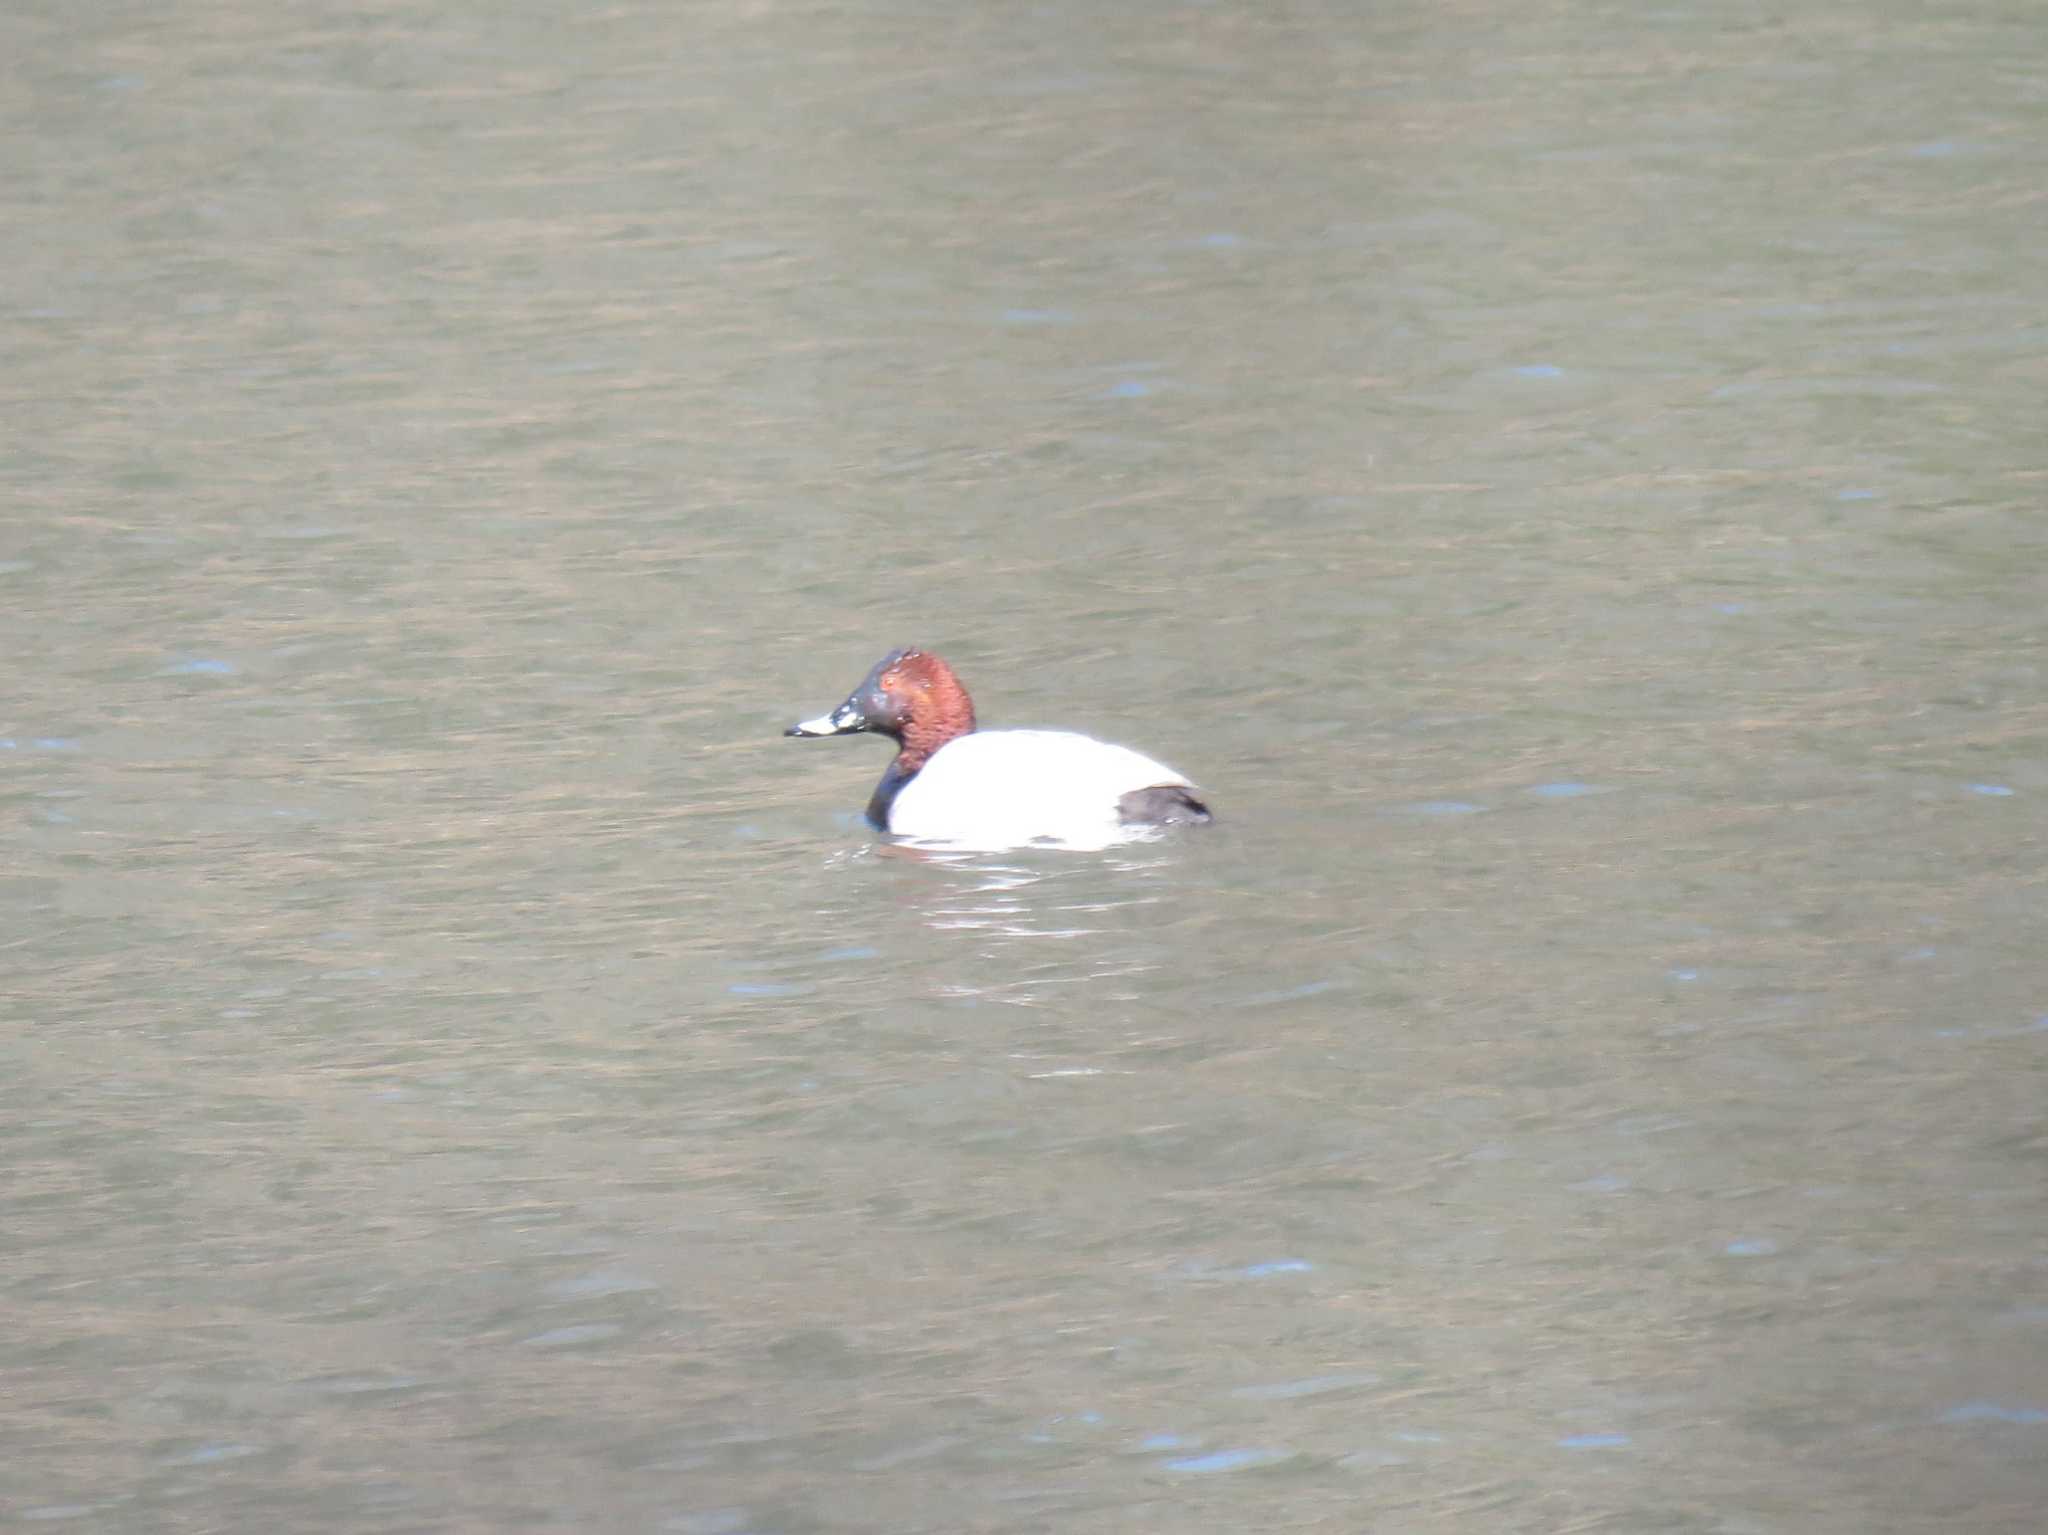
(1565, 478)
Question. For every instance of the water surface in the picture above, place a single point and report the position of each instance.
(1565, 478)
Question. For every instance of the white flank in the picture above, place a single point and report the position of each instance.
(1008, 788)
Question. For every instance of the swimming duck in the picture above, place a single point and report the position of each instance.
(987, 789)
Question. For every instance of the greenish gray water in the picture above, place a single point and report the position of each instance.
(1566, 478)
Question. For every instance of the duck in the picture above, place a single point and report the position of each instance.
(951, 784)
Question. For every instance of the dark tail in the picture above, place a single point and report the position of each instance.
(1162, 805)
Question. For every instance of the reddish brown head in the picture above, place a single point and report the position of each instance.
(911, 696)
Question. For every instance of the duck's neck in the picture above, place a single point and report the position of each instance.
(914, 752)
(894, 777)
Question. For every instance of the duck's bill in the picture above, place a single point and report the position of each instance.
(843, 720)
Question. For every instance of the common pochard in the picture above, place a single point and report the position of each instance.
(992, 789)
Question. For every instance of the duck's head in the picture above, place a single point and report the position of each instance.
(911, 696)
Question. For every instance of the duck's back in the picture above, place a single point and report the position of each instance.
(1006, 788)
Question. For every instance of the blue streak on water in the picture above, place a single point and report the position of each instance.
(1443, 807)
(1290, 994)
(1227, 1460)
(1277, 1266)
(1997, 790)
(1565, 789)
(1856, 495)
(598, 1284)
(1684, 975)
(1751, 1247)
(213, 1454)
(201, 667)
(1592, 1441)
(766, 989)
(1985, 1031)
(858, 951)
(713, 1521)
(1129, 389)
(1994, 1412)
(1539, 370)
(1163, 1442)
(1315, 1385)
